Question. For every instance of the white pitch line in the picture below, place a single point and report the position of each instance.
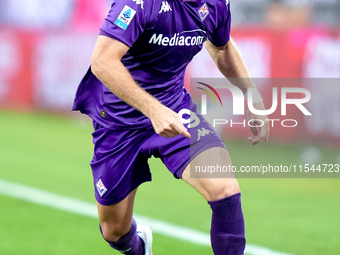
(77, 206)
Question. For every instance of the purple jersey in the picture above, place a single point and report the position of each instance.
(163, 37)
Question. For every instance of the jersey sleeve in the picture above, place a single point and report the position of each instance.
(221, 35)
(125, 21)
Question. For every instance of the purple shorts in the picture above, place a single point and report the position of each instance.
(120, 160)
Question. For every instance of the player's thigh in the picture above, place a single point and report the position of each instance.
(117, 165)
(212, 186)
(115, 220)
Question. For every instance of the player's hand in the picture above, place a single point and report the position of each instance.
(261, 132)
(167, 123)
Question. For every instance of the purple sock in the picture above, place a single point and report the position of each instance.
(130, 243)
(227, 226)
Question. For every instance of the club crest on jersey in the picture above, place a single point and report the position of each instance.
(100, 187)
(125, 17)
(203, 11)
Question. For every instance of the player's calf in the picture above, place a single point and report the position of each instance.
(118, 227)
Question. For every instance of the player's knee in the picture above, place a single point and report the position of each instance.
(222, 190)
(113, 232)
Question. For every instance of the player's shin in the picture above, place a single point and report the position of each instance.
(227, 226)
(130, 243)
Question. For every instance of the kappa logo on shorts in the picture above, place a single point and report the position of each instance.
(125, 17)
(100, 187)
(203, 11)
(203, 132)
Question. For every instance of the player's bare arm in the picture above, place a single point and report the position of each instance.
(229, 61)
(108, 68)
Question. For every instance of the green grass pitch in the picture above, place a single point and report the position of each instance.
(297, 216)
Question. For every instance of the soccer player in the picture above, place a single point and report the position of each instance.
(134, 92)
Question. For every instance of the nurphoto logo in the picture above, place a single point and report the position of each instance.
(284, 95)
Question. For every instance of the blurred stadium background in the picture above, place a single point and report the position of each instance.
(45, 49)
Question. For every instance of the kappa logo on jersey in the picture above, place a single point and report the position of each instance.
(165, 7)
(125, 17)
(203, 132)
(141, 2)
(100, 187)
(203, 11)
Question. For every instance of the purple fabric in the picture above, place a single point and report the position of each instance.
(93, 98)
(227, 226)
(129, 244)
(163, 41)
(120, 160)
